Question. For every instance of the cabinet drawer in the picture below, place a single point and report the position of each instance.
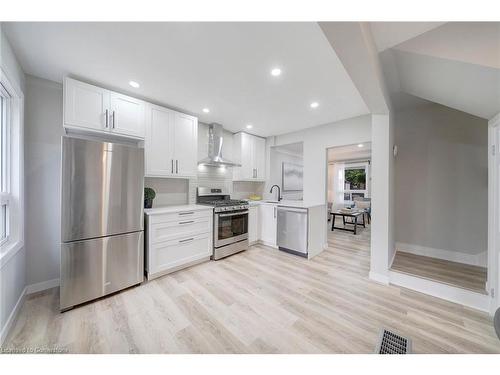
(174, 253)
(160, 232)
(180, 216)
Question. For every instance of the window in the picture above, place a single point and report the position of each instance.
(4, 164)
(11, 168)
(355, 184)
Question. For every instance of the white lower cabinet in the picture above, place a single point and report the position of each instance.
(268, 222)
(175, 240)
(253, 225)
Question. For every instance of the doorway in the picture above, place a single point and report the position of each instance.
(349, 205)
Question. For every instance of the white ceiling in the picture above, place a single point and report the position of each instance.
(350, 152)
(190, 66)
(469, 42)
(456, 65)
(390, 34)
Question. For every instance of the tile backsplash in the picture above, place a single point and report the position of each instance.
(174, 191)
(169, 191)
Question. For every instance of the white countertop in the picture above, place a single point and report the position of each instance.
(179, 208)
(287, 203)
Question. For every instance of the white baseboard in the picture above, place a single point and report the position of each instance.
(392, 260)
(454, 256)
(379, 278)
(12, 317)
(38, 287)
(450, 293)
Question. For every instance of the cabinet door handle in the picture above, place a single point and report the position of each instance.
(107, 116)
(186, 213)
(274, 212)
(172, 171)
(114, 117)
(177, 166)
(186, 240)
(256, 172)
(186, 222)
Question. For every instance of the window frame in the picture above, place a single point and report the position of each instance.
(366, 192)
(5, 139)
(12, 189)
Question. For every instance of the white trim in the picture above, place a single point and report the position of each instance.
(493, 281)
(44, 285)
(12, 317)
(15, 168)
(10, 252)
(447, 292)
(393, 257)
(379, 278)
(479, 259)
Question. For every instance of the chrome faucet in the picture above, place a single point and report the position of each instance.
(279, 192)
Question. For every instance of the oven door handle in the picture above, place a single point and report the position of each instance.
(233, 214)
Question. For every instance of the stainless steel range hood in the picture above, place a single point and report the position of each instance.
(215, 142)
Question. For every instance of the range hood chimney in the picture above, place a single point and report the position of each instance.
(215, 141)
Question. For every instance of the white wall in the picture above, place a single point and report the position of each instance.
(316, 142)
(442, 182)
(12, 270)
(382, 235)
(277, 158)
(44, 116)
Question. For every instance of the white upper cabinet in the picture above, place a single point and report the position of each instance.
(93, 108)
(185, 144)
(171, 143)
(159, 145)
(260, 158)
(85, 106)
(127, 115)
(250, 152)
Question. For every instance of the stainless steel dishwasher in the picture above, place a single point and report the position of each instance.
(293, 230)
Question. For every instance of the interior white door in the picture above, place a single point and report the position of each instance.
(127, 115)
(85, 106)
(159, 142)
(186, 144)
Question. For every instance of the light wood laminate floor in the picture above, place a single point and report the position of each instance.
(457, 274)
(258, 301)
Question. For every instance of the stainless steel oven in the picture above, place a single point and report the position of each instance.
(230, 221)
(230, 227)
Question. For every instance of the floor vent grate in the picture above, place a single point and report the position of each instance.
(392, 343)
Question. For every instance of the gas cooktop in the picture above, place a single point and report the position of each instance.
(220, 200)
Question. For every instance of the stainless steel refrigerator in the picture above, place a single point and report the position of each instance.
(102, 240)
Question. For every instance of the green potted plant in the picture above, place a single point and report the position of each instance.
(149, 195)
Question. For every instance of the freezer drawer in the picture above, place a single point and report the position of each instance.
(293, 230)
(93, 268)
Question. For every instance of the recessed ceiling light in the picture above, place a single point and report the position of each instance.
(314, 105)
(276, 72)
(249, 126)
(206, 110)
(134, 84)
(361, 145)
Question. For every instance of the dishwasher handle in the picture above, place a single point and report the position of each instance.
(293, 209)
